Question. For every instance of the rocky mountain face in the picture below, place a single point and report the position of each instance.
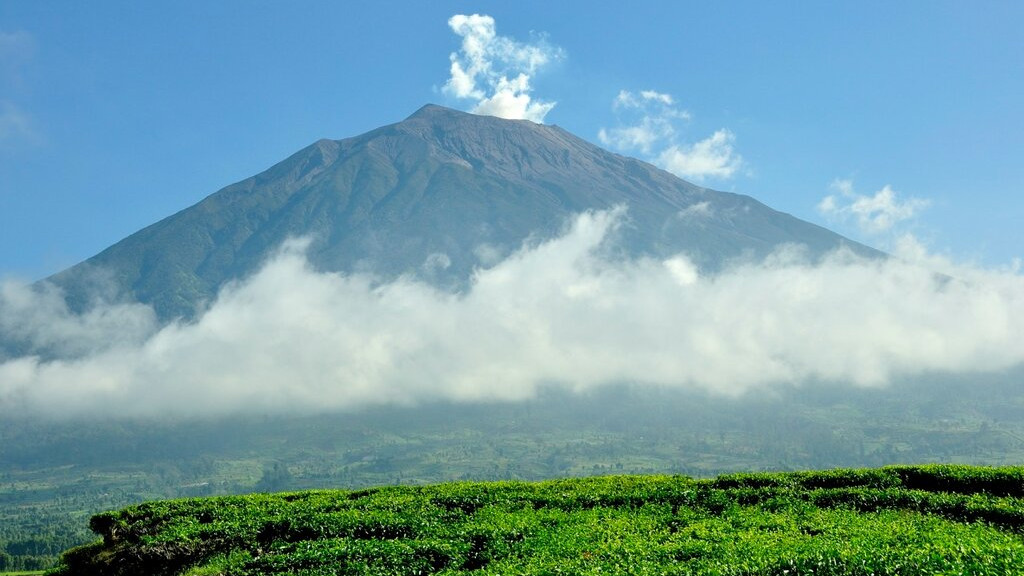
(436, 195)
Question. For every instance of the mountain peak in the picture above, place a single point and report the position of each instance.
(441, 186)
(433, 111)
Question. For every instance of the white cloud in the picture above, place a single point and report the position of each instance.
(642, 137)
(875, 214)
(652, 123)
(40, 320)
(496, 71)
(511, 99)
(665, 99)
(627, 99)
(650, 129)
(698, 210)
(290, 339)
(436, 262)
(711, 157)
(487, 254)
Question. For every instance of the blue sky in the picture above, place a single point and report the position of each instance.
(114, 115)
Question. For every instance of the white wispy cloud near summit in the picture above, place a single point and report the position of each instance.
(651, 129)
(873, 215)
(293, 340)
(496, 71)
(712, 157)
(648, 125)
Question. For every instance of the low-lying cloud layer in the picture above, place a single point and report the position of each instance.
(290, 339)
(495, 71)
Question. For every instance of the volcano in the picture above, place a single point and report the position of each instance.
(437, 195)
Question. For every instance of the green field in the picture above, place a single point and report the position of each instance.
(55, 475)
(901, 520)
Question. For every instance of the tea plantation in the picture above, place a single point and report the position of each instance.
(901, 520)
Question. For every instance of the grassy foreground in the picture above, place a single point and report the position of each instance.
(901, 520)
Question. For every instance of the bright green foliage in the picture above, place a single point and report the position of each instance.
(889, 521)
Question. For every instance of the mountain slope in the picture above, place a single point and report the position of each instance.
(435, 195)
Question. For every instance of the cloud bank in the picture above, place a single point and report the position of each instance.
(293, 340)
(38, 319)
(496, 71)
(647, 125)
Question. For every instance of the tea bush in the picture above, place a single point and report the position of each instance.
(901, 520)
